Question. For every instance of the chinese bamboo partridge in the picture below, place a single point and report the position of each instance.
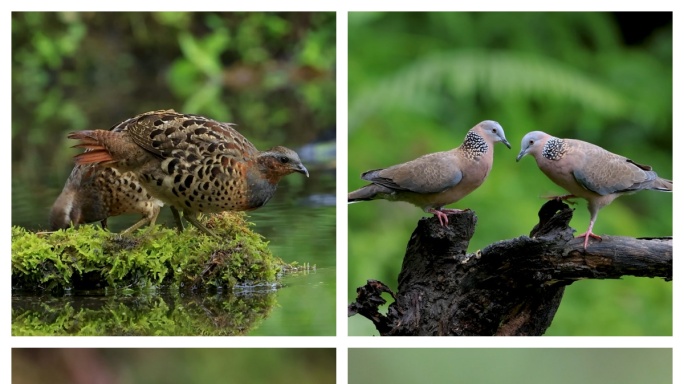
(437, 179)
(190, 162)
(589, 171)
(94, 193)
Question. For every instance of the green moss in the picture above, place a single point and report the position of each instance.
(89, 257)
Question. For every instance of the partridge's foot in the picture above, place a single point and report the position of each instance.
(145, 220)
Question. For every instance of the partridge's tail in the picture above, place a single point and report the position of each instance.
(94, 143)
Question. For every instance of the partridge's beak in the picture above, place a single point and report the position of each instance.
(302, 169)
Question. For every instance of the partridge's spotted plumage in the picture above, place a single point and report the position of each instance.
(190, 162)
(93, 193)
(437, 179)
(589, 171)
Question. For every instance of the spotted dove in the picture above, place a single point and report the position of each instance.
(193, 163)
(94, 193)
(432, 181)
(589, 171)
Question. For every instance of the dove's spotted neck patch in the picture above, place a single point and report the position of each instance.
(474, 145)
(554, 149)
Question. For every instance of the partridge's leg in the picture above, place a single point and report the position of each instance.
(177, 218)
(150, 219)
(192, 218)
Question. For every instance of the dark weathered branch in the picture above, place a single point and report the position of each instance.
(511, 287)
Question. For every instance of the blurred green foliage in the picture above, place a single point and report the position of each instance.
(428, 77)
(273, 74)
(174, 365)
(506, 365)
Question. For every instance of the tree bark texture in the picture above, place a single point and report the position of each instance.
(511, 287)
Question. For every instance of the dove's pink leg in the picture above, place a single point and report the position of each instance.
(589, 234)
(447, 210)
(440, 215)
(565, 198)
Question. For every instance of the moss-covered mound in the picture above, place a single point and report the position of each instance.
(89, 257)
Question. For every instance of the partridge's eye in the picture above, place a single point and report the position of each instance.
(284, 159)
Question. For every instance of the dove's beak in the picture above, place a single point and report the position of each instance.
(521, 154)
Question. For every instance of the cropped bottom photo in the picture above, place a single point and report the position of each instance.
(511, 365)
(181, 365)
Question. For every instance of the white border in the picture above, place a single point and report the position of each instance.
(342, 342)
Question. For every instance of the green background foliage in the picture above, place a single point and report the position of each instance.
(174, 365)
(426, 78)
(505, 365)
(273, 74)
